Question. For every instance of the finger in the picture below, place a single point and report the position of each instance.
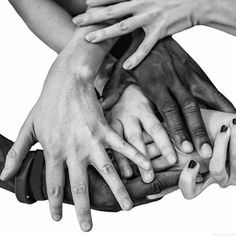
(121, 161)
(188, 181)
(174, 121)
(232, 153)
(153, 151)
(105, 167)
(194, 122)
(120, 145)
(104, 14)
(217, 165)
(143, 50)
(18, 151)
(80, 192)
(133, 134)
(160, 164)
(55, 180)
(158, 133)
(162, 183)
(147, 138)
(95, 3)
(118, 29)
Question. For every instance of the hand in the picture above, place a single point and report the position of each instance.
(222, 166)
(101, 197)
(157, 18)
(68, 122)
(173, 81)
(129, 117)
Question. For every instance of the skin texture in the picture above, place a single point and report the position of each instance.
(101, 197)
(175, 84)
(69, 123)
(157, 18)
(132, 115)
(165, 181)
(222, 166)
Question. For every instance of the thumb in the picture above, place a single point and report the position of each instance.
(18, 151)
(190, 183)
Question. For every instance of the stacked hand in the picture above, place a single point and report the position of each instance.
(157, 18)
(175, 84)
(68, 122)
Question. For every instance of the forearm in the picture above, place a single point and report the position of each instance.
(47, 20)
(219, 14)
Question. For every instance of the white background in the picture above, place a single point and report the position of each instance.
(24, 62)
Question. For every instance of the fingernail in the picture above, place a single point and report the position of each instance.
(127, 204)
(192, 164)
(86, 226)
(91, 37)
(56, 217)
(187, 146)
(223, 129)
(171, 159)
(148, 177)
(77, 20)
(234, 121)
(3, 175)
(127, 65)
(127, 172)
(206, 150)
(146, 165)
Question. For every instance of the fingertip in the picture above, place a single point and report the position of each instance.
(4, 174)
(187, 146)
(56, 217)
(127, 65)
(171, 159)
(127, 204)
(86, 226)
(127, 172)
(206, 151)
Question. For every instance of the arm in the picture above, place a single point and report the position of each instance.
(158, 19)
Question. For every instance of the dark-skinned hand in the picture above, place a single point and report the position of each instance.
(30, 185)
(176, 85)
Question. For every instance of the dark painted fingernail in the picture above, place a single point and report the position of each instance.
(234, 121)
(223, 129)
(192, 164)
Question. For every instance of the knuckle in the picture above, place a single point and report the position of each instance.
(85, 73)
(108, 169)
(190, 106)
(55, 209)
(155, 187)
(79, 189)
(84, 212)
(54, 191)
(169, 108)
(12, 154)
(198, 130)
(110, 11)
(134, 138)
(123, 26)
(144, 49)
(177, 128)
